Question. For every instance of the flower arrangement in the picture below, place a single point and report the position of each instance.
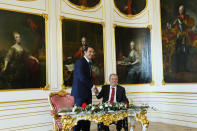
(107, 107)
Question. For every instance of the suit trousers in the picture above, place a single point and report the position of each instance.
(83, 124)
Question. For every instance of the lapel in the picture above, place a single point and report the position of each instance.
(86, 64)
(117, 93)
(85, 61)
(107, 92)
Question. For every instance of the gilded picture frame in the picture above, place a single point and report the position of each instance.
(75, 35)
(130, 8)
(22, 51)
(85, 4)
(179, 40)
(133, 55)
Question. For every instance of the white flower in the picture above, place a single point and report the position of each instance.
(74, 108)
(131, 101)
(93, 107)
(101, 107)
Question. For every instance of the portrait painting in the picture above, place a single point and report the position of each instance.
(130, 7)
(179, 40)
(75, 36)
(22, 51)
(85, 3)
(133, 55)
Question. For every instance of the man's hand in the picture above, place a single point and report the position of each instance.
(95, 90)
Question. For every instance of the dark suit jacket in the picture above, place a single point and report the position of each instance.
(82, 81)
(120, 94)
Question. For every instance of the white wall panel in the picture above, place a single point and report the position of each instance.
(29, 109)
(172, 108)
(25, 115)
(29, 4)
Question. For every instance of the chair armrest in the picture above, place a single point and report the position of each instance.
(54, 114)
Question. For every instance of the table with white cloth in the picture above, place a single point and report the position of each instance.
(70, 119)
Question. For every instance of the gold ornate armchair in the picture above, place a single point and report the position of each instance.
(60, 101)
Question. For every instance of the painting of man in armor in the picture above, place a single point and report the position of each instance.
(179, 40)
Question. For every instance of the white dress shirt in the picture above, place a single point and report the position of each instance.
(87, 59)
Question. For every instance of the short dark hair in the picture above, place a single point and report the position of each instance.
(86, 47)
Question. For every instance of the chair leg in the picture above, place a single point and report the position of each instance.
(55, 127)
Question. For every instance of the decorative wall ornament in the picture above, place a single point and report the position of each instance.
(130, 7)
(27, 0)
(85, 4)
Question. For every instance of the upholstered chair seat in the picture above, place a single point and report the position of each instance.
(60, 101)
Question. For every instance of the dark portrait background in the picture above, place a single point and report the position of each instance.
(72, 33)
(179, 40)
(130, 7)
(141, 72)
(23, 71)
(86, 3)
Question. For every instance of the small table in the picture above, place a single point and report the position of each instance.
(70, 119)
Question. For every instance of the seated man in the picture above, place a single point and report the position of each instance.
(112, 93)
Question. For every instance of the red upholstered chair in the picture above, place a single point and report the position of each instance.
(59, 101)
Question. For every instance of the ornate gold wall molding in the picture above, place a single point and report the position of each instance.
(152, 83)
(83, 8)
(27, 0)
(22, 115)
(22, 101)
(165, 92)
(173, 119)
(31, 126)
(162, 98)
(164, 83)
(11, 109)
(21, 6)
(167, 103)
(102, 23)
(129, 15)
(174, 113)
(22, 104)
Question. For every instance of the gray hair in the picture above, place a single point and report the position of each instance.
(112, 75)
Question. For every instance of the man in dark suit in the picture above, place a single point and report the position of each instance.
(112, 93)
(82, 84)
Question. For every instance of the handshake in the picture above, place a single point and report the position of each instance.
(95, 89)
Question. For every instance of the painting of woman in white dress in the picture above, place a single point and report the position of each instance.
(133, 55)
